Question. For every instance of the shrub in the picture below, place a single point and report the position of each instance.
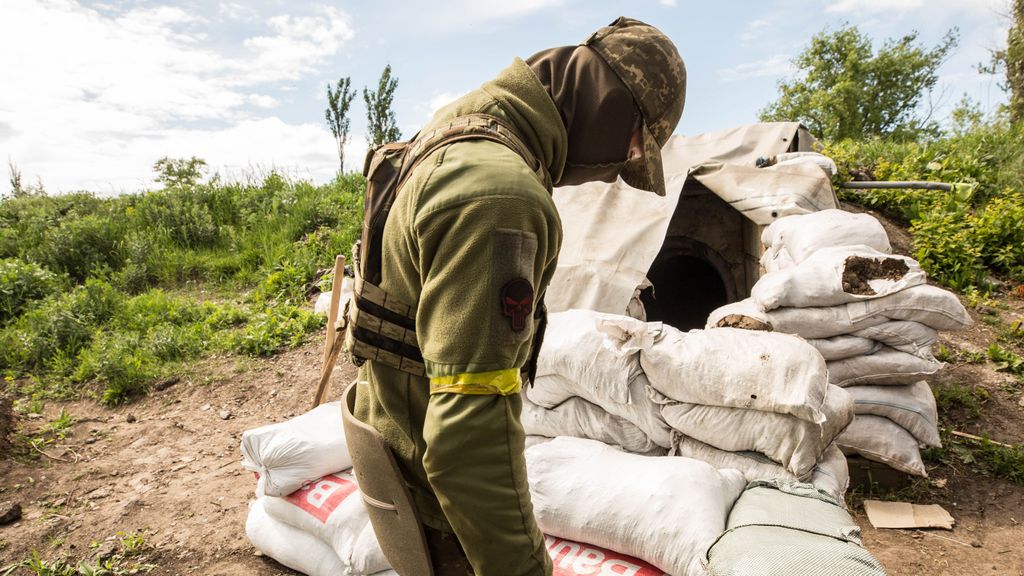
(274, 328)
(21, 284)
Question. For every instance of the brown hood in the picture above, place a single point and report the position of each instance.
(597, 109)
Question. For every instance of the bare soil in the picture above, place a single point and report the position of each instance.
(168, 465)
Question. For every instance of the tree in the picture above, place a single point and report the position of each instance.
(844, 89)
(380, 118)
(1011, 59)
(338, 102)
(179, 172)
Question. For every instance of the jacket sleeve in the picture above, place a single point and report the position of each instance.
(483, 263)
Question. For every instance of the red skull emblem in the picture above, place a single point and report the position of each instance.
(517, 302)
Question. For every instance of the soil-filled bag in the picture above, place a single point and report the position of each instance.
(738, 369)
(298, 550)
(595, 349)
(570, 558)
(802, 235)
(805, 322)
(906, 336)
(838, 275)
(888, 366)
(842, 347)
(665, 511)
(912, 407)
(831, 473)
(578, 418)
(332, 510)
(553, 390)
(785, 528)
(882, 440)
(290, 454)
(794, 443)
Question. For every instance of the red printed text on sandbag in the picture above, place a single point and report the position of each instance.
(575, 559)
(321, 497)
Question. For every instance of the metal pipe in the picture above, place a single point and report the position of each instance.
(877, 185)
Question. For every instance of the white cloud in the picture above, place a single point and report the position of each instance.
(903, 6)
(669, 3)
(777, 65)
(754, 27)
(437, 102)
(101, 95)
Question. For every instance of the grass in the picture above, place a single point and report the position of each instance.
(127, 559)
(951, 397)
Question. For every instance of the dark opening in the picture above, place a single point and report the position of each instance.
(686, 289)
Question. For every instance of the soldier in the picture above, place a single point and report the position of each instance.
(471, 244)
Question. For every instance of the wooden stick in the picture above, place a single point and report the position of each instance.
(332, 344)
(959, 434)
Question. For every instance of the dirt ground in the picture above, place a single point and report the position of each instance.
(168, 466)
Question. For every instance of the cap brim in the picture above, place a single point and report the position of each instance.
(646, 175)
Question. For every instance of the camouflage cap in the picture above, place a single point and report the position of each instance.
(649, 65)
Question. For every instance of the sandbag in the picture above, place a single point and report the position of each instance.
(912, 407)
(888, 366)
(552, 390)
(846, 346)
(910, 337)
(805, 322)
(665, 511)
(289, 454)
(785, 528)
(794, 443)
(882, 440)
(837, 275)
(929, 305)
(831, 473)
(635, 308)
(332, 510)
(288, 545)
(570, 558)
(578, 418)
(599, 350)
(802, 235)
(774, 373)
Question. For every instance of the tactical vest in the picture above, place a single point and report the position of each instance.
(378, 326)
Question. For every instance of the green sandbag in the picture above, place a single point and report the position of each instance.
(786, 528)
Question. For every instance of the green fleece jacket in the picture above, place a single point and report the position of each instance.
(472, 221)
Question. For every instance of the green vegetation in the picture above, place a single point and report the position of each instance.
(381, 125)
(987, 457)
(102, 296)
(128, 558)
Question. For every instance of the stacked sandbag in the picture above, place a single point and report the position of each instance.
(756, 401)
(308, 513)
(649, 388)
(871, 316)
(665, 511)
(783, 528)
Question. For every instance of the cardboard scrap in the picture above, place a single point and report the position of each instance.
(906, 515)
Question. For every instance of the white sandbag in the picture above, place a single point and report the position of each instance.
(910, 337)
(912, 407)
(289, 454)
(775, 259)
(323, 301)
(599, 350)
(805, 322)
(794, 443)
(288, 545)
(665, 511)
(332, 510)
(846, 346)
(534, 440)
(929, 305)
(570, 558)
(552, 390)
(578, 418)
(830, 473)
(837, 275)
(888, 366)
(802, 235)
(882, 440)
(738, 369)
(814, 158)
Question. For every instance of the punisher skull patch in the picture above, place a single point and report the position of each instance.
(517, 302)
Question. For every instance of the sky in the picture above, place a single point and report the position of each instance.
(94, 92)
